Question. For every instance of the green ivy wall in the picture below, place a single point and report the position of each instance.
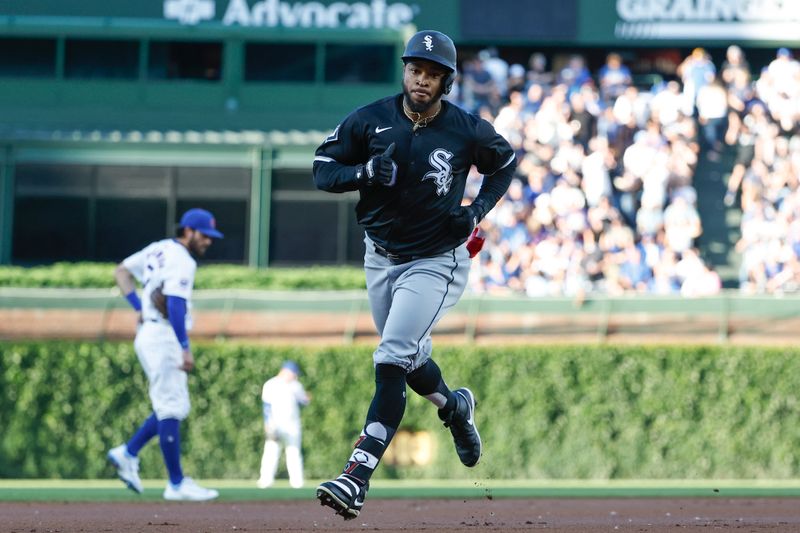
(544, 412)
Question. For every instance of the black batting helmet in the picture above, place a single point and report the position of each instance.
(434, 46)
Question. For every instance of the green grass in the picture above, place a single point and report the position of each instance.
(242, 490)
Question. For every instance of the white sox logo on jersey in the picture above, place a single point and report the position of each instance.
(443, 175)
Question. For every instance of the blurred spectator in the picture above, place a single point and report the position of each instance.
(574, 74)
(712, 112)
(668, 104)
(595, 169)
(497, 69)
(784, 69)
(755, 123)
(478, 88)
(634, 273)
(696, 71)
(695, 277)
(516, 78)
(620, 122)
(780, 89)
(614, 78)
(538, 73)
(734, 67)
(581, 118)
(681, 224)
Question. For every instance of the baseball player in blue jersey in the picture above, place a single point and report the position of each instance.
(408, 156)
(166, 270)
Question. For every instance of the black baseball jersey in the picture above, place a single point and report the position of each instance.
(411, 218)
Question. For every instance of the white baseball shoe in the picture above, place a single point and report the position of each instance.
(263, 483)
(127, 467)
(188, 490)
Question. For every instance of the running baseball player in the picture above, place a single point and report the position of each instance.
(408, 156)
(282, 397)
(166, 270)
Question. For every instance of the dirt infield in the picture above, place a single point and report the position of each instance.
(561, 515)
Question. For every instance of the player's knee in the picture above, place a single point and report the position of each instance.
(425, 379)
(387, 371)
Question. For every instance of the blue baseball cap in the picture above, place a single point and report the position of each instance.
(784, 52)
(202, 221)
(291, 365)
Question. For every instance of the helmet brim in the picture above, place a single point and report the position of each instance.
(433, 58)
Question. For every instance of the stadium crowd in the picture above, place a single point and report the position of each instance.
(604, 198)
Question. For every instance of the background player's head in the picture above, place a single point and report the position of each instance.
(197, 229)
(290, 370)
(429, 69)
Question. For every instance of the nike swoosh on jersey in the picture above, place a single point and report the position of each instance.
(378, 129)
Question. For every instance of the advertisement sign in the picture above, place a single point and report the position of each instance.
(689, 21)
(376, 14)
(556, 22)
(281, 14)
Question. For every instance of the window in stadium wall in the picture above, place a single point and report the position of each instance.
(51, 212)
(27, 58)
(226, 193)
(324, 223)
(124, 194)
(185, 60)
(279, 62)
(303, 232)
(101, 59)
(106, 212)
(355, 63)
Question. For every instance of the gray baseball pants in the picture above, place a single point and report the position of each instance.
(407, 300)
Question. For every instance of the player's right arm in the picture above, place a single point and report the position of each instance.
(126, 274)
(339, 160)
(266, 409)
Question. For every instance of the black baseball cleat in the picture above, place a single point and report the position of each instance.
(461, 422)
(344, 495)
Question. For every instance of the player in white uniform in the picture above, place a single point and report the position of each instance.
(282, 397)
(166, 271)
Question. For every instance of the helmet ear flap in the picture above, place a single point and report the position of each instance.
(448, 82)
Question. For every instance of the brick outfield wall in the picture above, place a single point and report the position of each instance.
(337, 328)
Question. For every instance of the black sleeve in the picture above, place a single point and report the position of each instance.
(340, 158)
(495, 159)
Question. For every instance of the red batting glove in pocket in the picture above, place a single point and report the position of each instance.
(475, 243)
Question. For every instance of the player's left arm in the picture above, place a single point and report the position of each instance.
(302, 396)
(178, 282)
(176, 312)
(495, 159)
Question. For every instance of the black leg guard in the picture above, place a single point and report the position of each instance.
(427, 380)
(389, 403)
(384, 416)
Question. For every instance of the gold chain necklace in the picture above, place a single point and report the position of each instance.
(420, 121)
